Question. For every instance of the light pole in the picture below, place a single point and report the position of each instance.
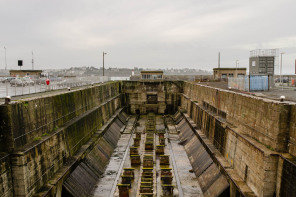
(281, 77)
(5, 58)
(103, 63)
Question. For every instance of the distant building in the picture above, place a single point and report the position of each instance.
(262, 61)
(151, 75)
(23, 73)
(224, 73)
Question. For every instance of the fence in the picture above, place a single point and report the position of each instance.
(285, 80)
(35, 86)
(249, 83)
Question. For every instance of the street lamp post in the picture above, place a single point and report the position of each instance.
(103, 63)
(281, 77)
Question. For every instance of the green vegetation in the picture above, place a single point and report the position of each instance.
(45, 134)
(267, 146)
(37, 139)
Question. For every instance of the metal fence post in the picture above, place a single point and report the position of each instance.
(6, 83)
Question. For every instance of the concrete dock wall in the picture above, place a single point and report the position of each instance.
(52, 136)
(250, 133)
(292, 134)
(25, 121)
(262, 119)
(165, 93)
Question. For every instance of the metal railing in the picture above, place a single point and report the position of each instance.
(14, 88)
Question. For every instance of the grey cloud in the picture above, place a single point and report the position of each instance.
(167, 33)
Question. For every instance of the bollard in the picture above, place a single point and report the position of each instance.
(7, 100)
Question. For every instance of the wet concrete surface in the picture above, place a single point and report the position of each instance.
(189, 185)
(105, 184)
(188, 180)
(275, 94)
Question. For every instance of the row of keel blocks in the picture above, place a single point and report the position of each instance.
(150, 123)
(166, 178)
(146, 186)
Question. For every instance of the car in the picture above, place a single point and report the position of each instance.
(8, 79)
(28, 81)
(41, 81)
(17, 82)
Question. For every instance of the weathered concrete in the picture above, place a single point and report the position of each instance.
(25, 121)
(6, 188)
(152, 96)
(42, 142)
(292, 134)
(237, 144)
(249, 132)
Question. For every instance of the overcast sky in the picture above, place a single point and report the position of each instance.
(145, 33)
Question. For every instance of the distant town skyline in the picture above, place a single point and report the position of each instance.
(145, 34)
